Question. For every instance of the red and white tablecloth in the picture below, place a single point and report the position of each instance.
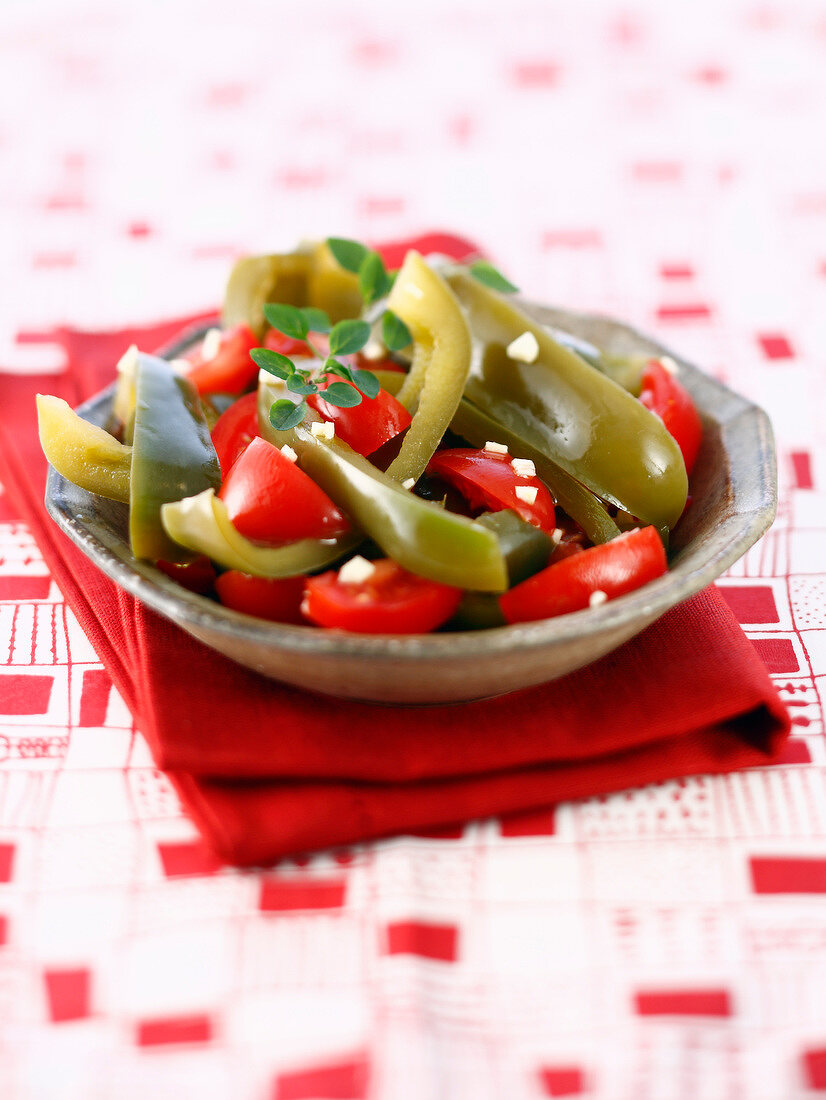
(662, 163)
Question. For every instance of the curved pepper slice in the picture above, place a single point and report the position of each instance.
(477, 428)
(441, 361)
(82, 452)
(172, 454)
(309, 276)
(201, 524)
(422, 537)
(576, 416)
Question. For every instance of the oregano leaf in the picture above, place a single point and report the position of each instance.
(272, 361)
(394, 331)
(287, 319)
(348, 336)
(349, 254)
(486, 273)
(298, 383)
(316, 319)
(332, 366)
(367, 383)
(342, 395)
(284, 414)
(373, 278)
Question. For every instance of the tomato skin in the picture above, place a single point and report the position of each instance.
(488, 480)
(276, 599)
(665, 396)
(615, 567)
(286, 345)
(390, 601)
(367, 426)
(231, 370)
(269, 499)
(197, 576)
(234, 430)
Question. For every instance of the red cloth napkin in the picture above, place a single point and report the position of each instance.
(267, 771)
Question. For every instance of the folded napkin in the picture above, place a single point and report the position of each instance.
(267, 771)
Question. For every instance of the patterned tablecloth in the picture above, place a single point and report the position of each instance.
(662, 163)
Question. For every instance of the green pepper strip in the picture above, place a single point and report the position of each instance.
(172, 454)
(308, 277)
(82, 452)
(574, 415)
(420, 535)
(441, 361)
(201, 524)
(477, 428)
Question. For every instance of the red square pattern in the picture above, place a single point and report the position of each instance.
(187, 858)
(562, 1080)
(23, 588)
(788, 875)
(68, 994)
(289, 895)
(775, 346)
(25, 694)
(814, 1068)
(777, 654)
(6, 862)
(165, 1031)
(751, 603)
(339, 1081)
(428, 941)
(683, 1002)
(94, 697)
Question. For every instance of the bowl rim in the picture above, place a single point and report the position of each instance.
(187, 609)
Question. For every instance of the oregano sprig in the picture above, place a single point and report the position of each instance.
(345, 338)
(375, 282)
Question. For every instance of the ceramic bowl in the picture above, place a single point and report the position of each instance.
(734, 492)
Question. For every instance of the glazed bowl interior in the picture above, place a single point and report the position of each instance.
(734, 500)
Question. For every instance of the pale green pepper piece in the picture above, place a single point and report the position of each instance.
(477, 428)
(577, 417)
(309, 276)
(81, 452)
(201, 524)
(441, 361)
(418, 534)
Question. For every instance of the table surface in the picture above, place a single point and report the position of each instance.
(666, 943)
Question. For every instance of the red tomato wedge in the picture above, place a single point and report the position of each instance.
(389, 601)
(234, 430)
(269, 499)
(286, 345)
(367, 426)
(627, 562)
(487, 479)
(229, 371)
(277, 599)
(198, 575)
(663, 395)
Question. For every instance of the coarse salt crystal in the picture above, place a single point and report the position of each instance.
(211, 344)
(556, 535)
(289, 453)
(524, 348)
(323, 431)
(496, 448)
(669, 364)
(408, 483)
(523, 467)
(356, 570)
(597, 598)
(527, 493)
